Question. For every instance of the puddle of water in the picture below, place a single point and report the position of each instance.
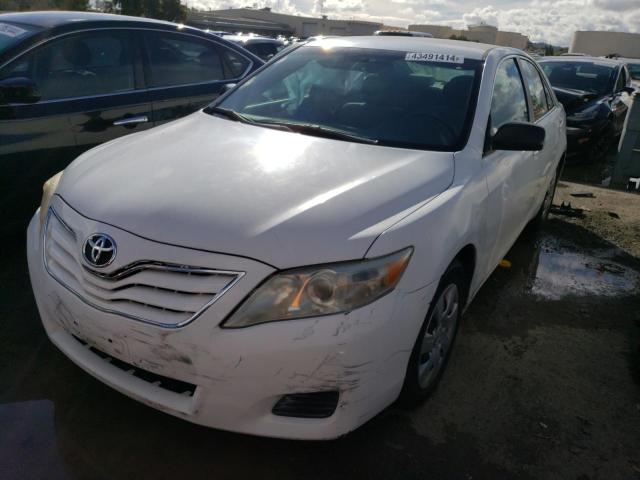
(563, 273)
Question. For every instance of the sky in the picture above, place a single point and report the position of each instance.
(541, 20)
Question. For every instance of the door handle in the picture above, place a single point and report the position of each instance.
(130, 120)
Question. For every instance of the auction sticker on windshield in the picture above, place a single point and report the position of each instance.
(10, 30)
(433, 57)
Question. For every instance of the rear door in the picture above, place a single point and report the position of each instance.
(111, 101)
(186, 72)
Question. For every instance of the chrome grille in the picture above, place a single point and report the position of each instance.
(153, 292)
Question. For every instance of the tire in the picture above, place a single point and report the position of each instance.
(431, 351)
(538, 221)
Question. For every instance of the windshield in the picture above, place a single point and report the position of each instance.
(11, 34)
(587, 76)
(634, 70)
(394, 98)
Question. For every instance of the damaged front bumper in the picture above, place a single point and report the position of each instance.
(233, 379)
(581, 137)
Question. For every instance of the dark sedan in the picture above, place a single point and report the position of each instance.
(595, 94)
(72, 80)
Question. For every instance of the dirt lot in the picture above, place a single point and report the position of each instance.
(613, 215)
(544, 382)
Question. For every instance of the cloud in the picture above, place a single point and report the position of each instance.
(552, 21)
(616, 5)
(555, 21)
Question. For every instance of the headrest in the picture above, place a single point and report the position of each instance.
(458, 89)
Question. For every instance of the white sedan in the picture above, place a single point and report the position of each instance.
(293, 258)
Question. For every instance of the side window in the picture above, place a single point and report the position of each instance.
(535, 85)
(82, 65)
(508, 103)
(235, 63)
(176, 59)
(263, 50)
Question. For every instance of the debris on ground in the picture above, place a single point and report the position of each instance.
(613, 215)
(567, 210)
(622, 232)
(583, 194)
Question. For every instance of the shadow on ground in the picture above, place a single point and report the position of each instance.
(542, 383)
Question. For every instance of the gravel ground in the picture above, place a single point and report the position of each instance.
(613, 215)
(543, 382)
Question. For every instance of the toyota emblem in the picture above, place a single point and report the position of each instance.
(99, 250)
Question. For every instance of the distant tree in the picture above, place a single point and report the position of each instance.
(548, 51)
(171, 10)
(26, 5)
(130, 7)
(174, 11)
(459, 37)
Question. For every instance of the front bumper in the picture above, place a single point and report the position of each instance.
(240, 374)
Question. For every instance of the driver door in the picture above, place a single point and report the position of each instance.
(507, 172)
(91, 92)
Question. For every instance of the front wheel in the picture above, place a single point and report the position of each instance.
(435, 339)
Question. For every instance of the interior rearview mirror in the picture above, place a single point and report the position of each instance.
(18, 90)
(518, 136)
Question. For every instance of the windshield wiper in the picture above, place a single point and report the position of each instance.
(230, 114)
(305, 128)
(320, 131)
(238, 117)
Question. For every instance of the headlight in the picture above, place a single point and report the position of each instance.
(48, 189)
(586, 114)
(321, 290)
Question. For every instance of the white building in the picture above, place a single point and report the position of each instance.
(265, 21)
(478, 33)
(604, 43)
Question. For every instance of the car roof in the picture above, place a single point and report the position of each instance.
(251, 39)
(584, 59)
(58, 19)
(472, 50)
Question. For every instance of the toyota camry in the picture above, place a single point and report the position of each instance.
(295, 257)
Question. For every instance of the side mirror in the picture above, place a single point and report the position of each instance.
(18, 90)
(518, 136)
(227, 86)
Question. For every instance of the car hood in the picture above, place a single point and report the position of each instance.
(283, 198)
(573, 100)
